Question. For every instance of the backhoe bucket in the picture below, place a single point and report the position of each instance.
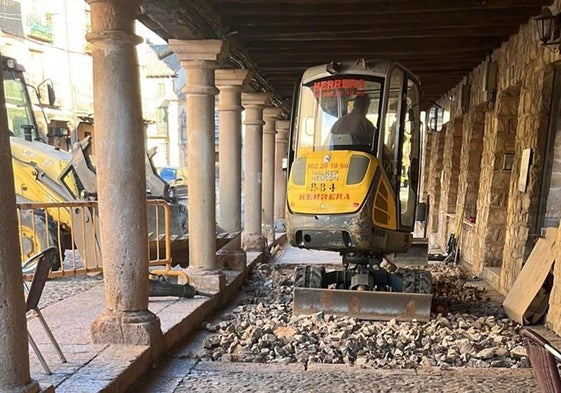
(369, 305)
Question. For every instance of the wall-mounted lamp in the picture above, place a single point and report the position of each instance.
(489, 82)
(464, 96)
(548, 28)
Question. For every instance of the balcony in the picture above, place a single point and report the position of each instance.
(40, 27)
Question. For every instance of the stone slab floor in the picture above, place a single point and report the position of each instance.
(180, 375)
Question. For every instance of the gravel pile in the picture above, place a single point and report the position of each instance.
(468, 329)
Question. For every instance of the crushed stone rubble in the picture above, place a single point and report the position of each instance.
(467, 329)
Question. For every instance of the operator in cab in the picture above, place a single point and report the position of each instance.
(355, 123)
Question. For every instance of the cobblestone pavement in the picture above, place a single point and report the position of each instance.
(179, 375)
(60, 288)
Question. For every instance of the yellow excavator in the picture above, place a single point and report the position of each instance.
(354, 161)
(46, 174)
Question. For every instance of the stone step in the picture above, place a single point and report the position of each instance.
(492, 275)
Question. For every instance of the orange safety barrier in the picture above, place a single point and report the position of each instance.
(73, 228)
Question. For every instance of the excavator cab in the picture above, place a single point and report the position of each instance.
(354, 162)
(21, 120)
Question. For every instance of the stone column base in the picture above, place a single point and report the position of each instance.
(129, 327)
(254, 242)
(31, 387)
(206, 280)
(230, 259)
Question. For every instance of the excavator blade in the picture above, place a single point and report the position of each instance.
(369, 305)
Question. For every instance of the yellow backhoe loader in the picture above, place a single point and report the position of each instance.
(45, 174)
(354, 162)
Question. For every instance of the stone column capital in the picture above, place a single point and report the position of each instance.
(282, 126)
(271, 112)
(203, 56)
(258, 100)
(232, 79)
(120, 27)
(195, 51)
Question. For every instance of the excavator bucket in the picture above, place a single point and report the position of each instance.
(368, 305)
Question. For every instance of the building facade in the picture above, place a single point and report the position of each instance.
(49, 39)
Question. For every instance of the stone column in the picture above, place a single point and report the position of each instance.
(268, 189)
(121, 179)
(254, 104)
(200, 59)
(14, 356)
(281, 151)
(451, 171)
(231, 84)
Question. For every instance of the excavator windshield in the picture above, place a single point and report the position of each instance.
(21, 122)
(340, 112)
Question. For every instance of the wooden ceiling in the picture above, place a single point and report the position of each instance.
(440, 41)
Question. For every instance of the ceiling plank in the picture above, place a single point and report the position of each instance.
(434, 18)
(404, 32)
(380, 42)
(359, 28)
(263, 9)
(428, 61)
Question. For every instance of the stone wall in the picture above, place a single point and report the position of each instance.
(552, 199)
(433, 179)
(531, 133)
(471, 163)
(426, 155)
(527, 64)
(497, 157)
(554, 312)
(516, 120)
(450, 172)
(468, 183)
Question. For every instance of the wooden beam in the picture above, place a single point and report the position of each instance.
(428, 61)
(390, 32)
(449, 69)
(432, 18)
(378, 42)
(466, 41)
(262, 8)
(369, 28)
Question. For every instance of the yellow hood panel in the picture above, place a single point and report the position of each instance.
(325, 189)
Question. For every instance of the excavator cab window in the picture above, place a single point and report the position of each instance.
(339, 112)
(409, 152)
(400, 153)
(21, 122)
